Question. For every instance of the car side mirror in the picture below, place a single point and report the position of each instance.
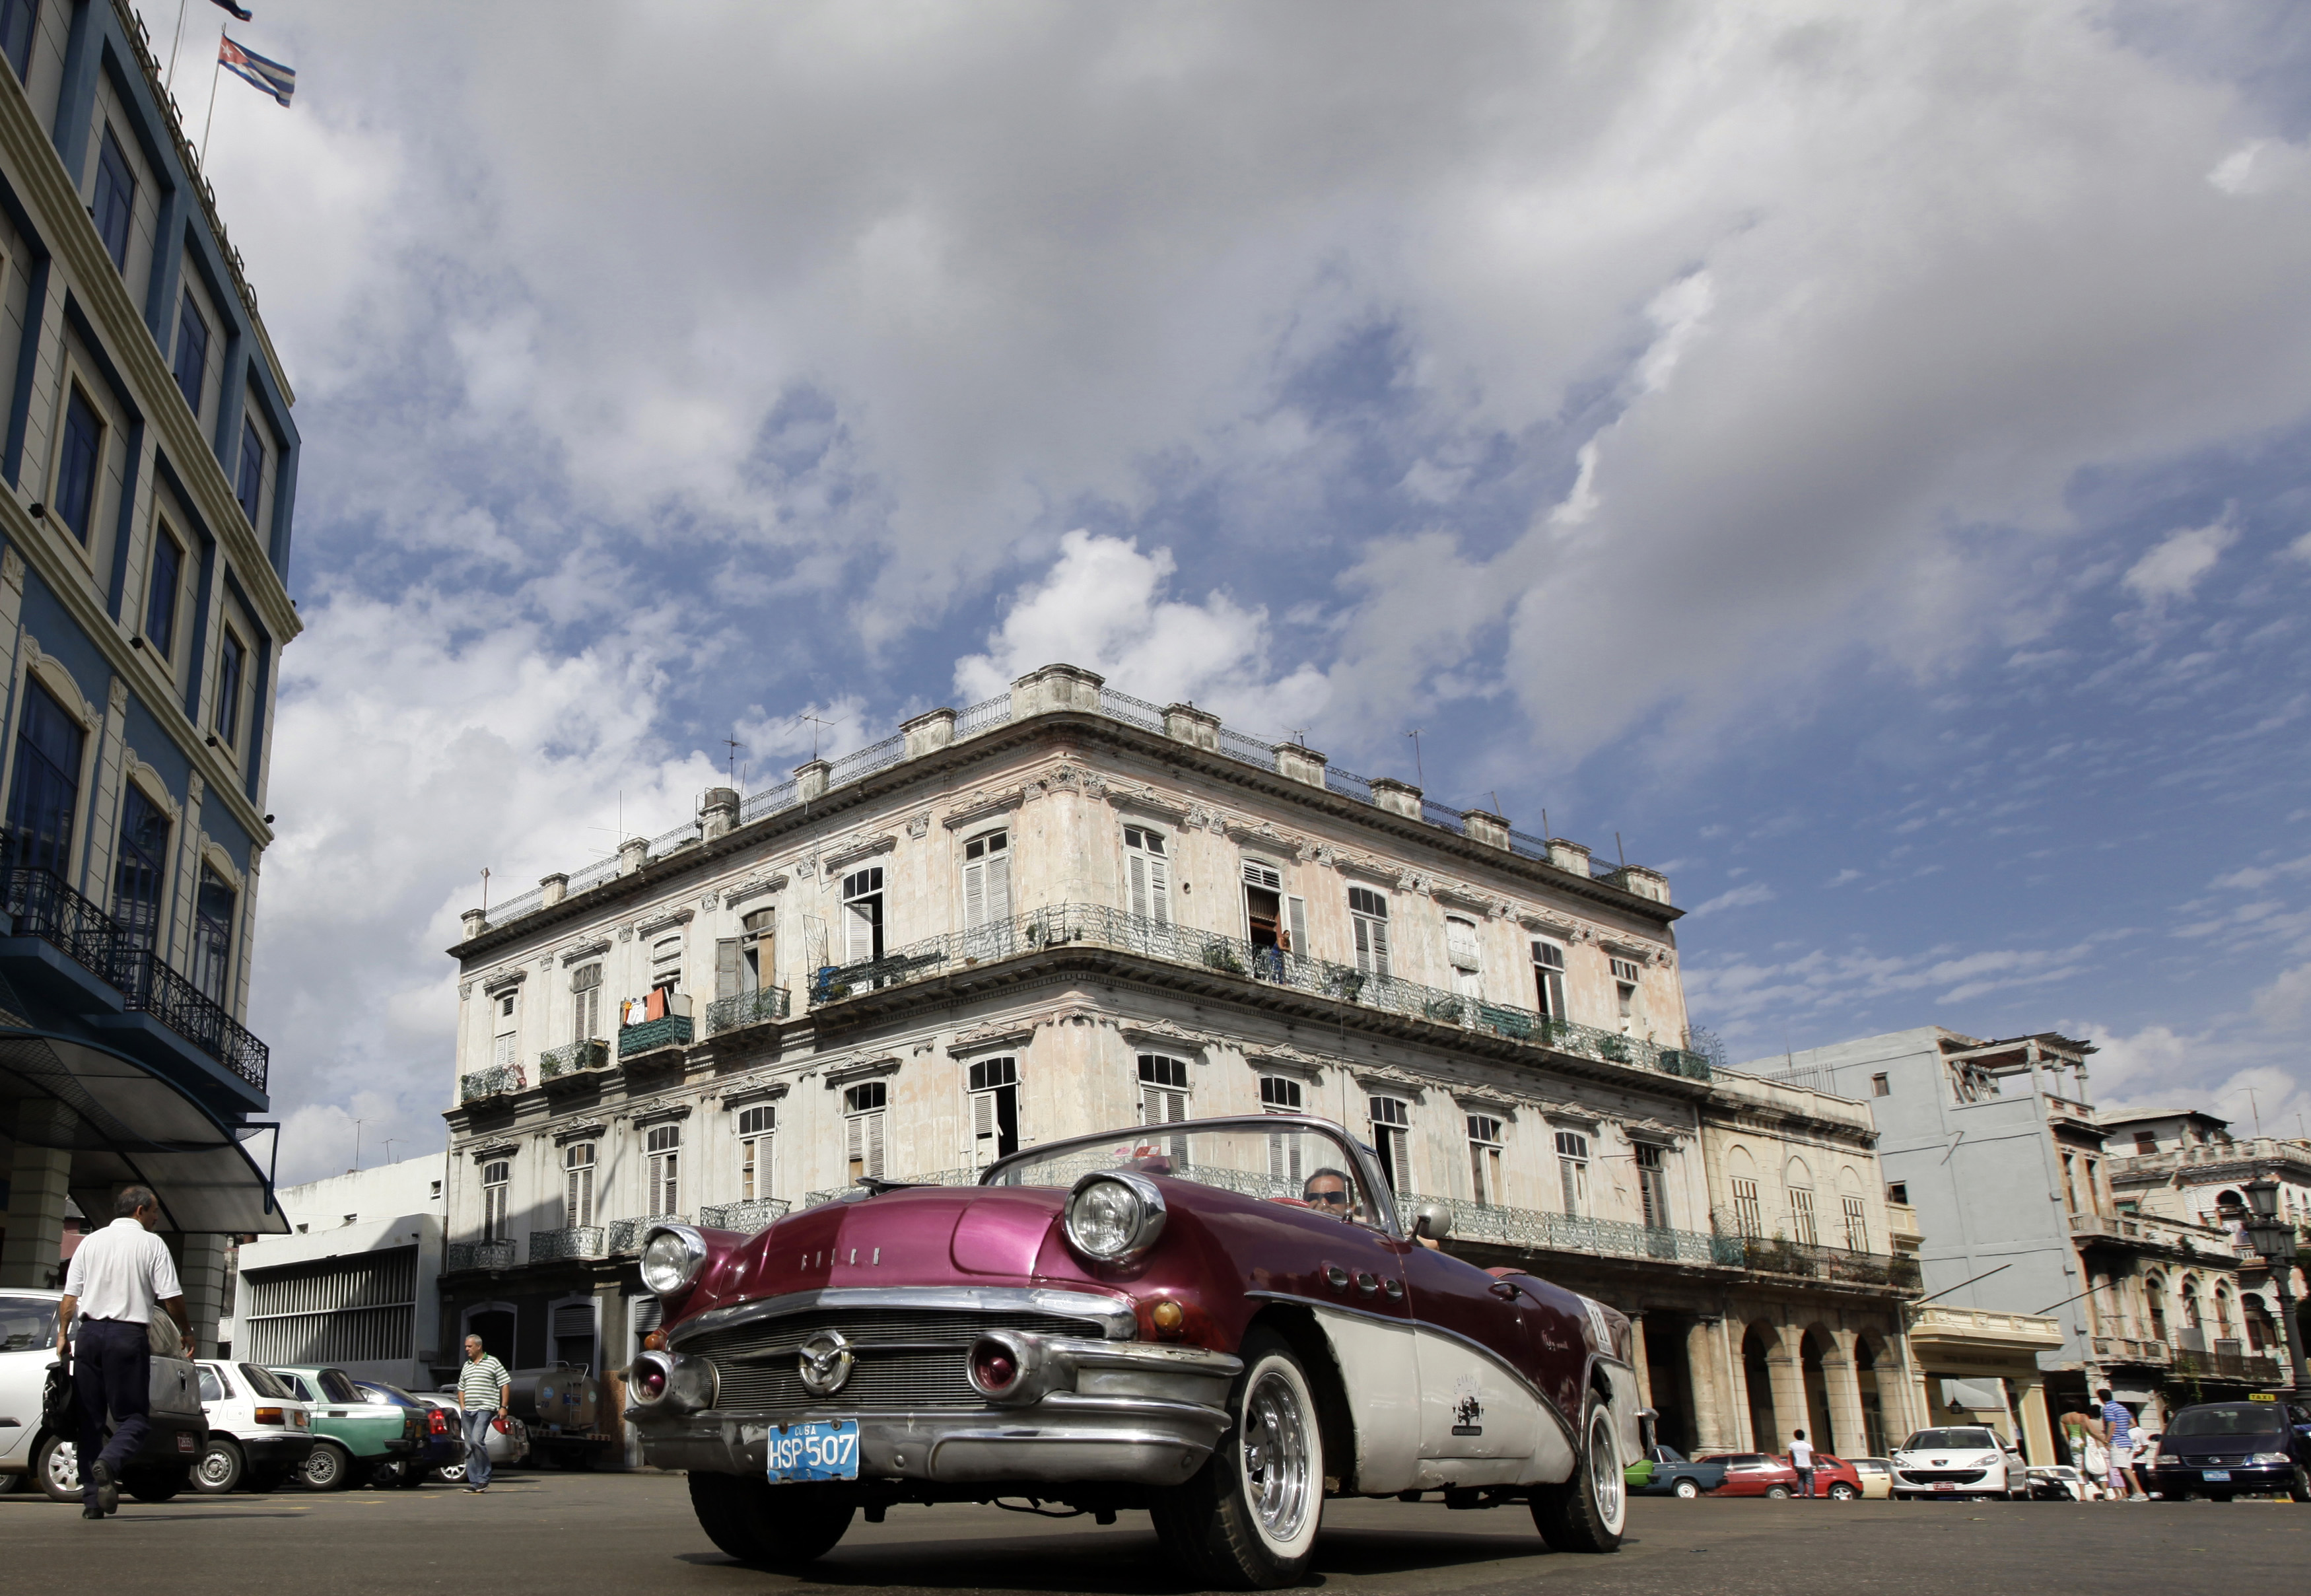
(1431, 1221)
(1648, 1429)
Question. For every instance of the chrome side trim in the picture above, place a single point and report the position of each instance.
(1113, 1314)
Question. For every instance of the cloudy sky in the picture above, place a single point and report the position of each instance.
(1855, 454)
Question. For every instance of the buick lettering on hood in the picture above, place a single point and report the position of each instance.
(1221, 1321)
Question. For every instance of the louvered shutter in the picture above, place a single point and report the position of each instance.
(974, 895)
(1138, 865)
(1380, 946)
(728, 981)
(649, 1313)
(855, 1138)
(999, 887)
(982, 1128)
(859, 919)
(875, 1144)
(1159, 891)
(1298, 909)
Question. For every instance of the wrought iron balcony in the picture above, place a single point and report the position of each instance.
(477, 1255)
(549, 1246)
(625, 1236)
(673, 1031)
(1095, 925)
(484, 1083)
(2225, 1360)
(763, 1006)
(579, 1058)
(749, 1213)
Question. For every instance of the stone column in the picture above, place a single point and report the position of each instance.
(201, 1267)
(1637, 1360)
(1786, 1370)
(2037, 1428)
(38, 1176)
(1737, 1387)
(1704, 1359)
(1850, 1437)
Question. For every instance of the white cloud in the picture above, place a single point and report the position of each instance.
(1741, 897)
(2173, 566)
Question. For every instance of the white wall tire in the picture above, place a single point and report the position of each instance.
(1587, 1512)
(1248, 1519)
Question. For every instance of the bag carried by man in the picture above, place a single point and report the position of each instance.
(59, 1398)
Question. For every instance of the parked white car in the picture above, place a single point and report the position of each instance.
(1962, 1461)
(260, 1432)
(507, 1447)
(30, 1450)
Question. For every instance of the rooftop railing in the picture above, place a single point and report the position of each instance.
(1095, 925)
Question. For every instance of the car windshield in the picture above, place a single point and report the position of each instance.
(26, 1322)
(1288, 1162)
(1951, 1440)
(264, 1383)
(1668, 1454)
(2228, 1418)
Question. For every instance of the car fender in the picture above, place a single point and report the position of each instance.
(1617, 1384)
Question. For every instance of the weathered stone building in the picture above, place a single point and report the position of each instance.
(1065, 909)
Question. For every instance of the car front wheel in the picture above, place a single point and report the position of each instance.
(1587, 1512)
(220, 1470)
(782, 1528)
(1247, 1521)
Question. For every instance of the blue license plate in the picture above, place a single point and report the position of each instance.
(2214, 1474)
(816, 1449)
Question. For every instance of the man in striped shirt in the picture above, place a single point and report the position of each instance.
(483, 1387)
(2121, 1444)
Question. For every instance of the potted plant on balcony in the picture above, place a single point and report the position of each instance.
(1219, 955)
(1344, 983)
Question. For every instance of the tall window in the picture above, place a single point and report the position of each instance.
(251, 489)
(17, 20)
(1391, 1129)
(1149, 874)
(213, 911)
(497, 1190)
(45, 796)
(140, 868)
(586, 1004)
(756, 1128)
(1485, 1160)
(1573, 1170)
(233, 662)
(1279, 1095)
(1625, 993)
(987, 879)
(116, 198)
(1460, 953)
(75, 499)
(1857, 1226)
(1653, 1186)
(1368, 913)
(1748, 1214)
(505, 1027)
(1162, 1089)
(665, 963)
(994, 1086)
(161, 594)
(192, 352)
(862, 915)
(1801, 1221)
(863, 1108)
(1549, 979)
(1272, 920)
(758, 945)
(578, 1184)
(663, 1145)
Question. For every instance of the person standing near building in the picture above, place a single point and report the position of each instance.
(1801, 1460)
(2125, 1482)
(483, 1389)
(119, 1277)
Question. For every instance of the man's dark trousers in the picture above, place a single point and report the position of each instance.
(112, 1368)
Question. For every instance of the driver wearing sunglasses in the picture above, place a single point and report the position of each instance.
(1328, 1190)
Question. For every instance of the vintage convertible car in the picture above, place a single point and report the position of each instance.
(1220, 1321)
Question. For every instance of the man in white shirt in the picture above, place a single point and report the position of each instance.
(120, 1277)
(1801, 1460)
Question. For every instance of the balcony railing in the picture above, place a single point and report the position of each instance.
(763, 1006)
(749, 1213)
(43, 906)
(2146, 1231)
(673, 1031)
(484, 1083)
(937, 1177)
(477, 1255)
(625, 1236)
(1095, 925)
(579, 1057)
(548, 1246)
(2225, 1360)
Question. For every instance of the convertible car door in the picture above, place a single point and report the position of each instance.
(1478, 1407)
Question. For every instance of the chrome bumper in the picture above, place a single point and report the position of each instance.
(1121, 1412)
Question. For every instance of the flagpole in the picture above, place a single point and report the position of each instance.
(173, 43)
(208, 121)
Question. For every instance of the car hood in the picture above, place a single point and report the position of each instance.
(1947, 1460)
(2228, 1446)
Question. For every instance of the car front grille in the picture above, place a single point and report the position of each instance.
(903, 1358)
(1943, 1475)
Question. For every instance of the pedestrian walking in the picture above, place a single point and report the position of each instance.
(483, 1389)
(1801, 1460)
(121, 1279)
(2080, 1437)
(2125, 1483)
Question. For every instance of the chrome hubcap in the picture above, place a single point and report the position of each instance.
(214, 1467)
(64, 1467)
(1276, 1457)
(1604, 1472)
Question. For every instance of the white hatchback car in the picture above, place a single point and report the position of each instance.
(1963, 1460)
(260, 1432)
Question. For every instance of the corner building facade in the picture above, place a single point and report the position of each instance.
(1065, 910)
(152, 464)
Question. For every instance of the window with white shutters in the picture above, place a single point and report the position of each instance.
(507, 1050)
(1281, 1095)
(1460, 953)
(864, 1107)
(993, 1085)
(586, 1003)
(1801, 1223)
(664, 1147)
(497, 1187)
(1368, 914)
(578, 1184)
(1857, 1226)
(1549, 979)
(1653, 1185)
(756, 1128)
(1265, 926)
(1748, 1214)
(987, 879)
(862, 915)
(1391, 1122)
(1162, 1089)
(1629, 1004)
(1148, 874)
(1572, 1171)
(758, 964)
(666, 962)
(1485, 1160)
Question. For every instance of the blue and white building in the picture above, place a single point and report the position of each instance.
(148, 468)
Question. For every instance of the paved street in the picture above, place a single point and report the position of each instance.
(571, 1533)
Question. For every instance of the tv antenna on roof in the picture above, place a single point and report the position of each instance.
(736, 748)
(1299, 735)
(1418, 773)
(817, 726)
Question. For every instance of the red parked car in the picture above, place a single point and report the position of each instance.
(1220, 1321)
(1833, 1477)
(1754, 1474)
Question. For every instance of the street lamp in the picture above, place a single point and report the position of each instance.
(2274, 1239)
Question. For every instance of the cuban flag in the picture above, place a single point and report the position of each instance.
(275, 79)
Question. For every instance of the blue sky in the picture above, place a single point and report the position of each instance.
(1854, 455)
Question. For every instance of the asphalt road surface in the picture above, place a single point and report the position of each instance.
(579, 1534)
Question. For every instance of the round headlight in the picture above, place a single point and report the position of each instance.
(1115, 1217)
(672, 1258)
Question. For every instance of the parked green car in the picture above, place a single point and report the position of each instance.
(352, 1435)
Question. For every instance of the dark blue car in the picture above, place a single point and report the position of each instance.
(2219, 1450)
(440, 1440)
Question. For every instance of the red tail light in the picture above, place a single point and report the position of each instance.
(436, 1421)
